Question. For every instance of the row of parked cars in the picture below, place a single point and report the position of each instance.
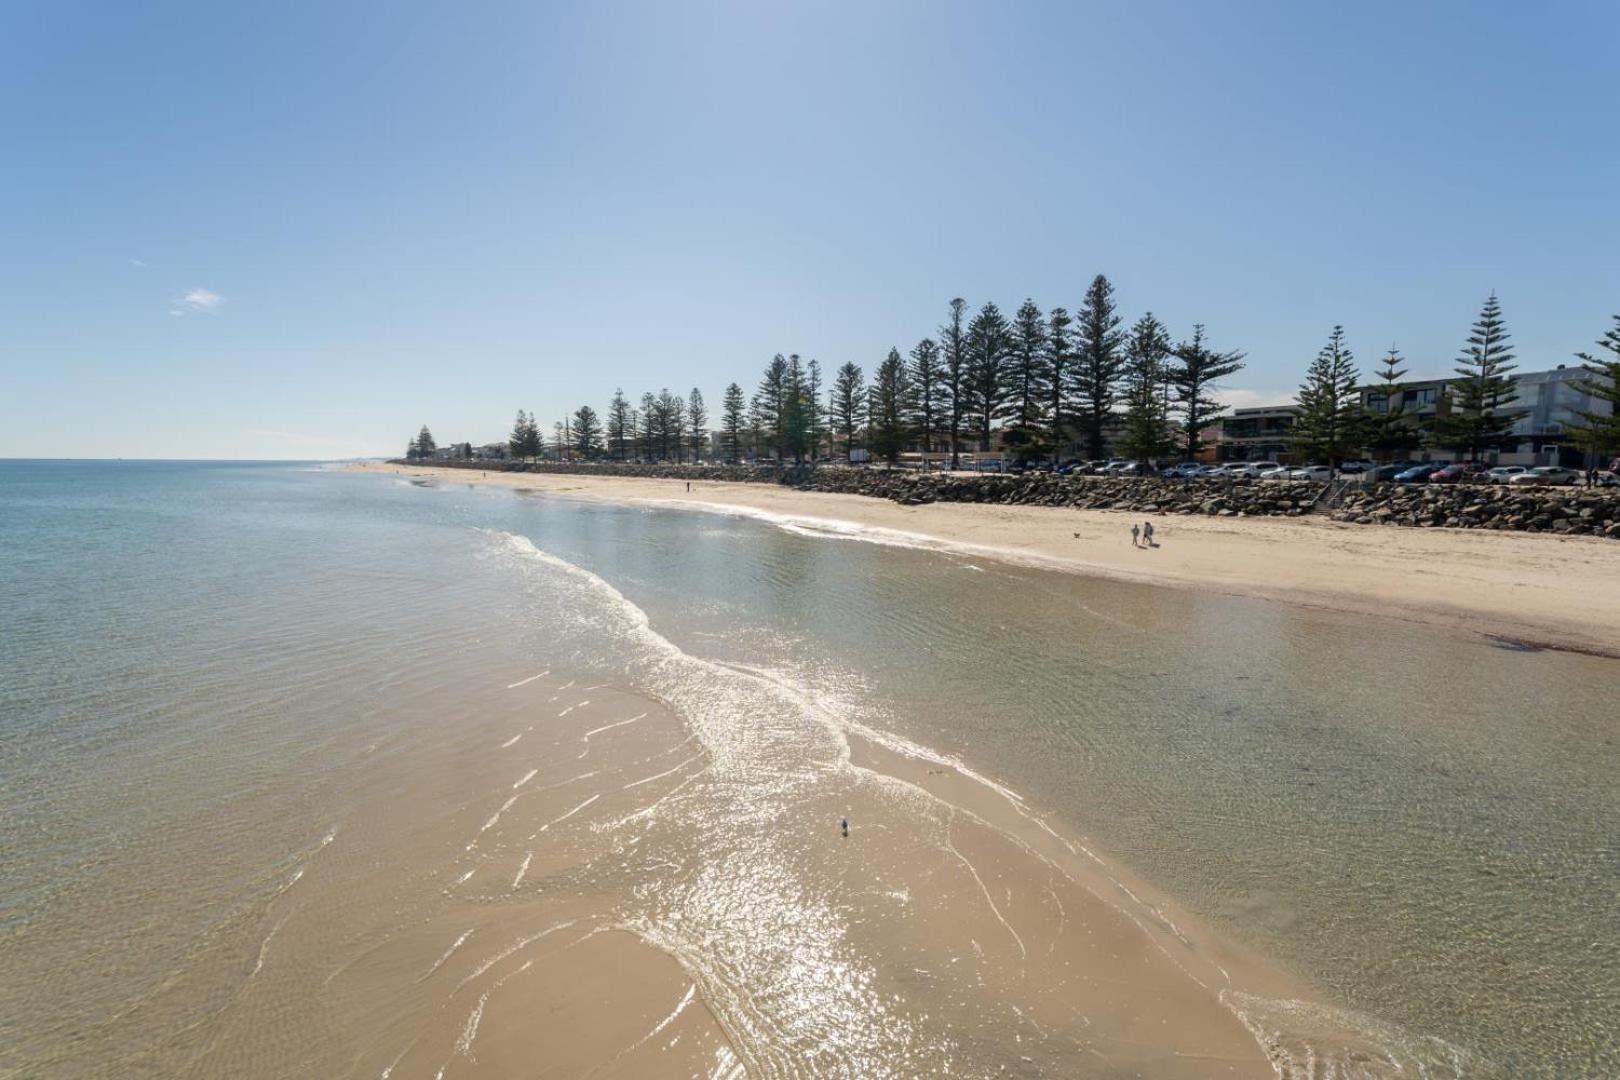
(1473, 472)
(1249, 470)
(1402, 472)
(1237, 470)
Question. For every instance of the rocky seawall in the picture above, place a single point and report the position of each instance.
(1571, 511)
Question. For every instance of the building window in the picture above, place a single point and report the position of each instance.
(1423, 397)
(1378, 404)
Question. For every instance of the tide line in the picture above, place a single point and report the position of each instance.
(608, 727)
(521, 943)
(571, 813)
(439, 963)
(686, 999)
(530, 679)
(660, 776)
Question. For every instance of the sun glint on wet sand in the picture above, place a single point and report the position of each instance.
(531, 952)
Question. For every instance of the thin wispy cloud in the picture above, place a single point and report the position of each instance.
(139, 264)
(197, 301)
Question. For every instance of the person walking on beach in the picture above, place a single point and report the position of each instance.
(1147, 533)
(843, 826)
(1136, 533)
(689, 487)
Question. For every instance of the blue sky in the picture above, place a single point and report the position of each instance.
(302, 230)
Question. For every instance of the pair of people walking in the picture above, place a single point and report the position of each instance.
(1142, 535)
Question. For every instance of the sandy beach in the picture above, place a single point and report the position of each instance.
(1551, 591)
(529, 954)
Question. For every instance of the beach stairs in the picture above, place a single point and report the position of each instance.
(1332, 497)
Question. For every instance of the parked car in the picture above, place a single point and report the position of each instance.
(1503, 473)
(1384, 473)
(1184, 471)
(1547, 474)
(1419, 474)
(1605, 478)
(1211, 472)
(1279, 473)
(1312, 472)
(1250, 469)
(1463, 472)
(1350, 468)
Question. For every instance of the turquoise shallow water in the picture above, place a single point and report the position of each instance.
(196, 656)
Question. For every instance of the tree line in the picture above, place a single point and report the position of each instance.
(1042, 379)
(1037, 377)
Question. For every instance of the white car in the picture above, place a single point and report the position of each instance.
(1547, 474)
(1504, 474)
(1281, 472)
(1250, 469)
(1312, 472)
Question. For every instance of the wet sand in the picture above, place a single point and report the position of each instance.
(1007, 909)
(1075, 941)
(499, 938)
(451, 925)
(1554, 591)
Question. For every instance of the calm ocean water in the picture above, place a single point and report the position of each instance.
(201, 666)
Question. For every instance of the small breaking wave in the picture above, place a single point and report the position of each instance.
(530, 679)
(448, 953)
(264, 947)
(1310, 1041)
(516, 946)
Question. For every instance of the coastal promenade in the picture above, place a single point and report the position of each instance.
(1544, 590)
